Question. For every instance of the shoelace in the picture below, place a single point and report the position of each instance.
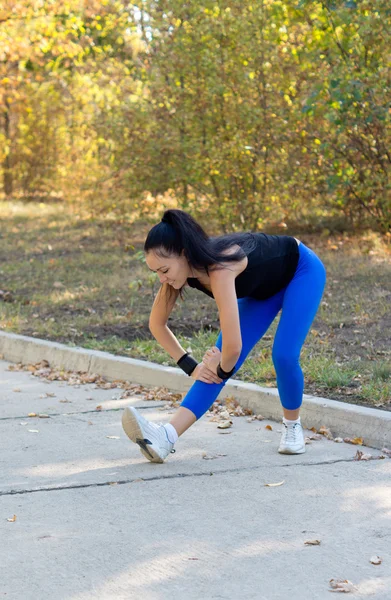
(291, 432)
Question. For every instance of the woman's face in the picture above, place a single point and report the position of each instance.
(173, 270)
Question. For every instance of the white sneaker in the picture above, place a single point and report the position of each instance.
(292, 439)
(151, 437)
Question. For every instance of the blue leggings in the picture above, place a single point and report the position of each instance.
(299, 301)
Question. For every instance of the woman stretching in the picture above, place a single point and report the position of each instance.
(251, 276)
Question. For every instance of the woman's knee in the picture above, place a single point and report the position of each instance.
(285, 359)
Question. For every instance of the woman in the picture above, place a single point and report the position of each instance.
(251, 276)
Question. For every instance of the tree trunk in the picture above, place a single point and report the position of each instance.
(7, 177)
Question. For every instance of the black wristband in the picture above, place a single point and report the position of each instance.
(224, 374)
(187, 363)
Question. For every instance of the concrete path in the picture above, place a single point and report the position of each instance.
(95, 520)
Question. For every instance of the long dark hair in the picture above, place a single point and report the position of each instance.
(178, 231)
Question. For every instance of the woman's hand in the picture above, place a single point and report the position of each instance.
(203, 373)
(212, 357)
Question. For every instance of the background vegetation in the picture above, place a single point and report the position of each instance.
(270, 115)
(256, 112)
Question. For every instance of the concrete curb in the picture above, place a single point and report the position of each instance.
(344, 420)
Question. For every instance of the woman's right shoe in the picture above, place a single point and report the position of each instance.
(150, 437)
(292, 439)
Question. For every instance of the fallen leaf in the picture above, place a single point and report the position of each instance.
(43, 416)
(326, 432)
(112, 437)
(99, 407)
(312, 542)
(12, 519)
(274, 484)
(269, 427)
(17, 390)
(32, 415)
(386, 451)
(206, 456)
(375, 560)
(341, 585)
(357, 440)
(224, 425)
(338, 440)
(33, 430)
(361, 456)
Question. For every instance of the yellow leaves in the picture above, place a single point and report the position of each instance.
(287, 99)
(317, 141)
(251, 75)
(12, 519)
(357, 440)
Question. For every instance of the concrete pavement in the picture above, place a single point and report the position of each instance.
(95, 520)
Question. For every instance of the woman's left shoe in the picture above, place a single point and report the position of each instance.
(292, 439)
(150, 437)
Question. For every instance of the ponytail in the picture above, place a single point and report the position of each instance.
(178, 231)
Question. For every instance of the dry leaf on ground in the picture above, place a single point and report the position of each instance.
(12, 519)
(274, 484)
(312, 542)
(326, 432)
(206, 456)
(375, 560)
(224, 425)
(341, 585)
(357, 440)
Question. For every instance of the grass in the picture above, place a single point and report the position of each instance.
(83, 282)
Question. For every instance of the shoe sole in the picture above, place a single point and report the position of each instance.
(286, 451)
(132, 428)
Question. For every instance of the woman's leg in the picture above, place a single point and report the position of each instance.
(300, 304)
(255, 318)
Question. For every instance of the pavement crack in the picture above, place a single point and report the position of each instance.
(82, 412)
(171, 476)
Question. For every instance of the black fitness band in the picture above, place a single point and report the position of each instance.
(187, 363)
(224, 374)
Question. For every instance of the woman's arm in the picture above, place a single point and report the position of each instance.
(224, 292)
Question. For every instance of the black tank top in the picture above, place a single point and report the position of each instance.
(271, 266)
